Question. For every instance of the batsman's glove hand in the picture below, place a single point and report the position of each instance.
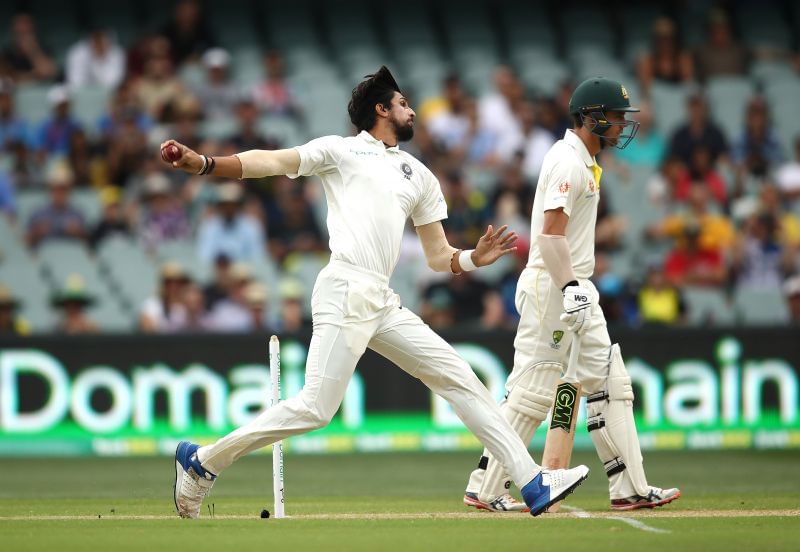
(577, 307)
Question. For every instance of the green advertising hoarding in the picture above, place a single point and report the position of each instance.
(135, 395)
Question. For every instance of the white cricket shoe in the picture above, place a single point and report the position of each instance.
(550, 486)
(656, 497)
(192, 482)
(504, 504)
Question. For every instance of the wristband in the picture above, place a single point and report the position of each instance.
(465, 260)
(570, 283)
(205, 165)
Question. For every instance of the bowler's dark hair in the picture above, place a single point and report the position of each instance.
(378, 88)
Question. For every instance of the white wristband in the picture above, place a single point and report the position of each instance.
(465, 260)
(205, 165)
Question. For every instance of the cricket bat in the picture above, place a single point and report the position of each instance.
(561, 435)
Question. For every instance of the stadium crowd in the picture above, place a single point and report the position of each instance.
(722, 209)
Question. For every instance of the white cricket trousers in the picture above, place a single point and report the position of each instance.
(353, 309)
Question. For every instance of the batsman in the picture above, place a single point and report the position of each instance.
(558, 305)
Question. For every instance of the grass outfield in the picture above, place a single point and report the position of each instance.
(731, 501)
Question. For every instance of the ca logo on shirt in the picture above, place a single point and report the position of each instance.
(407, 172)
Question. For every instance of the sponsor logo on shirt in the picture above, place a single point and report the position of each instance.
(407, 172)
(360, 152)
(563, 188)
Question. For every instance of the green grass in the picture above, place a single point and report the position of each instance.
(385, 484)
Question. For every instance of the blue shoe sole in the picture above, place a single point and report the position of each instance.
(568, 491)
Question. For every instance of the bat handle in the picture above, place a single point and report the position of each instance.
(574, 355)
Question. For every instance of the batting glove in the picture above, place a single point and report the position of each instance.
(577, 307)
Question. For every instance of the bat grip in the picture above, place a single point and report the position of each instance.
(574, 354)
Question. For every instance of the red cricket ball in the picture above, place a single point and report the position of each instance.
(170, 153)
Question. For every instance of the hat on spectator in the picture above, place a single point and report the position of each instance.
(7, 299)
(290, 289)
(173, 270)
(156, 184)
(216, 57)
(241, 272)
(58, 94)
(256, 294)
(58, 175)
(73, 292)
(791, 287)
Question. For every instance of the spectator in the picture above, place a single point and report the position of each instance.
(72, 300)
(81, 159)
(715, 231)
(611, 288)
(660, 302)
(114, 221)
(699, 130)
(662, 185)
(758, 150)
(24, 56)
(759, 259)
(666, 61)
(788, 174)
(187, 32)
(218, 288)
(478, 144)
(165, 217)
(496, 113)
(12, 128)
(123, 114)
(275, 96)
(609, 228)
(255, 296)
(700, 173)
(96, 61)
(230, 231)
(291, 223)
(689, 263)
(445, 116)
(58, 219)
(24, 170)
(721, 54)
(465, 209)
(791, 289)
(125, 137)
(10, 323)
(196, 313)
(248, 136)
(437, 309)
(650, 145)
(54, 136)
(466, 295)
(217, 96)
(167, 312)
(537, 140)
(512, 182)
(8, 201)
(157, 90)
(292, 318)
(233, 313)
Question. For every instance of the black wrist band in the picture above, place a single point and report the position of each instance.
(570, 283)
(211, 165)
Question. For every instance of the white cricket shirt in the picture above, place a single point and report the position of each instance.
(371, 190)
(570, 180)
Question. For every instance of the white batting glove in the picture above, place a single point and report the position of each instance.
(577, 308)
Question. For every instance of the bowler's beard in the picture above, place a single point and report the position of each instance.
(405, 132)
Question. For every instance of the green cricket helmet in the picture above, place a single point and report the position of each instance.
(594, 97)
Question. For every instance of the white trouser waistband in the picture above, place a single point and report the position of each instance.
(343, 268)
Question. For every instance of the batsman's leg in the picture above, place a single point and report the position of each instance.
(613, 430)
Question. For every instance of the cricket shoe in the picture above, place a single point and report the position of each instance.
(551, 486)
(656, 497)
(504, 504)
(192, 482)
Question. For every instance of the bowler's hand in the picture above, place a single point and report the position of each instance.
(189, 161)
(493, 245)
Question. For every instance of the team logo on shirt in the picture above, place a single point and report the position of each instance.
(557, 335)
(563, 188)
(407, 172)
(591, 186)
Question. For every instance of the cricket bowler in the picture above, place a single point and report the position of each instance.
(557, 301)
(371, 187)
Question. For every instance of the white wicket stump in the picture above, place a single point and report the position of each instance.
(277, 448)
